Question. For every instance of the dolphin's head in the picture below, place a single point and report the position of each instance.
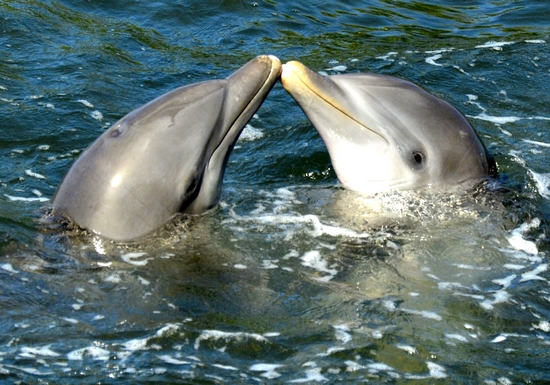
(165, 157)
(384, 133)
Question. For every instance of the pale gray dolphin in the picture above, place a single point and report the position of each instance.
(165, 157)
(384, 133)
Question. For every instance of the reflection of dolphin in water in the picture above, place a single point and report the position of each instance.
(384, 133)
(167, 156)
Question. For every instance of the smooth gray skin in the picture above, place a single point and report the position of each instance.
(385, 133)
(167, 156)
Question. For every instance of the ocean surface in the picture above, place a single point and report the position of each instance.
(292, 279)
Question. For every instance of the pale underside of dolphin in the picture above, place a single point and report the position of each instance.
(384, 133)
(165, 157)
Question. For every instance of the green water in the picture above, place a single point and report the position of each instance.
(291, 279)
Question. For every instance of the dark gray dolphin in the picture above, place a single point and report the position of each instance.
(384, 133)
(167, 156)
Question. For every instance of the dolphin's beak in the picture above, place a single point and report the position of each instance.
(245, 91)
(324, 102)
(304, 84)
(247, 88)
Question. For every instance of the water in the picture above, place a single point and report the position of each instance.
(291, 279)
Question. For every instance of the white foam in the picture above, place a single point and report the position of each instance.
(388, 56)
(318, 227)
(250, 133)
(43, 351)
(389, 305)
(24, 199)
(96, 115)
(379, 367)
(543, 325)
(517, 241)
(431, 60)
(113, 278)
(269, 370)
(47, 105)
(291, 254)
(498, 339)
(269, 264)
(496, 119)
(8, 267)
(352, 366)
(457, 337)
(423, 313)
(340, 68)
(474, 296)
(315, 260)
(543, 183)
(341, 333)
(499, 296)
(130, 258)
(436, 371)
(36, 175)
(313, 374)
(136, 344)
(407, 348)
(173, 361)
(227, 336)
(534, 274)
(32, 371)
(504, 381)
(536, 143)
(332, 349)
(450, 285)
(86, 103)
(92, 352)
(168, 330)
(511, 266)
(505, 282)
(471, 267)
(496, 45)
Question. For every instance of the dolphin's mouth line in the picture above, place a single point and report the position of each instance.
(340, 109)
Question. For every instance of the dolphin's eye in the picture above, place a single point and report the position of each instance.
(418, 157)
(418, 160)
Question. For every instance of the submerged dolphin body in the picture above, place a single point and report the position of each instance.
(167, 156)
(385, 133)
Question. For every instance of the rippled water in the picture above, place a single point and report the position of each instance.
(291, 279)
